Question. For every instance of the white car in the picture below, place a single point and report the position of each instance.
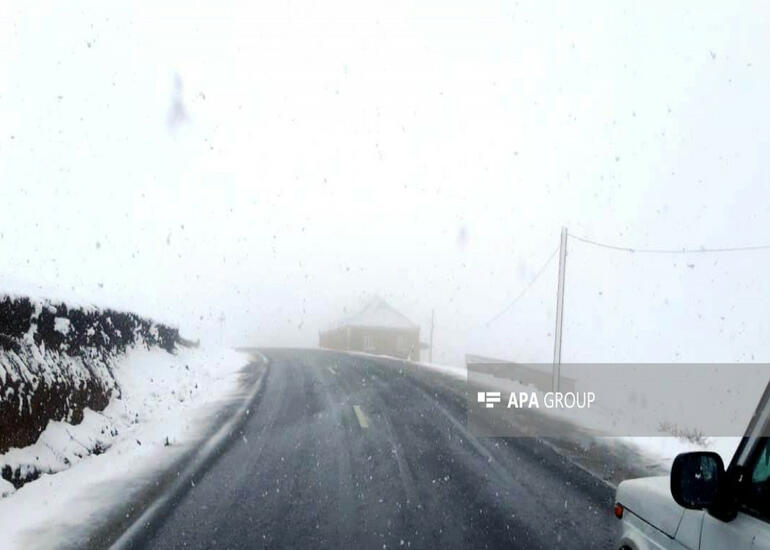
(702, 505)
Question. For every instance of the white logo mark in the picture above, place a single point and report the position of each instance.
(489, 398)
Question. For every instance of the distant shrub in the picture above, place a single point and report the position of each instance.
(686, 434)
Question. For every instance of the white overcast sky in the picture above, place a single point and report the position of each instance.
(428, 152)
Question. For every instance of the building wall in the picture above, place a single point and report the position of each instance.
(404, 344)
(334, 339)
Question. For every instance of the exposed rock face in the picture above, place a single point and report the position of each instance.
(57, 360)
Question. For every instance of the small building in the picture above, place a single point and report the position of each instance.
(378, 329)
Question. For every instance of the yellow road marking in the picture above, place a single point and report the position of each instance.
(361, 417)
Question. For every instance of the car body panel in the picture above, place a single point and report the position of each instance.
(650, 499)
(652, 519)
(690, 526)
(741, 533)
(637, 534)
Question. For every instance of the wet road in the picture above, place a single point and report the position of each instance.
(352, 452)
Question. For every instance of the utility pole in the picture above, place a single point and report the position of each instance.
(432, 322)
(221, 328)
(559, 310)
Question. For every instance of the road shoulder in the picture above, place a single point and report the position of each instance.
(150, 509)
(122, 489)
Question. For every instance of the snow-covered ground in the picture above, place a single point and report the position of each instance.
(165, 403)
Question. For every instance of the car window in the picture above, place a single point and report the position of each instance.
(756, 498)
(761, 471)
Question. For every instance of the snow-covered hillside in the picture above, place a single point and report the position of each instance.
(91, 396)
(56, 361)
(163, 409)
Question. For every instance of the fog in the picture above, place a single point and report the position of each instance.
(252, 173)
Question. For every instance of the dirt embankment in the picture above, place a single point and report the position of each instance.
(57, 360)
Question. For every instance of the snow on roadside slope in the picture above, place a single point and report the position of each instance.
(164, 401)
(5, 488)
(460, 373)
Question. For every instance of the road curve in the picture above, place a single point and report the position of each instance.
(348, 451)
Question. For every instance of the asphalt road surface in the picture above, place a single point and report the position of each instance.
(347, 451)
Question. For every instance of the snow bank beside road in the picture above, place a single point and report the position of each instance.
(460, 373)
(663, 449)
(164, 403)
(56, 361)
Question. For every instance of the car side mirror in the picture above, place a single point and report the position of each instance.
(696, 479)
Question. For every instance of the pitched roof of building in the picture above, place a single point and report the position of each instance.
(378, 314)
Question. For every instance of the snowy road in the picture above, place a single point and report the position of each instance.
(351, 452)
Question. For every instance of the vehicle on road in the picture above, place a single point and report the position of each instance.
(702, 505)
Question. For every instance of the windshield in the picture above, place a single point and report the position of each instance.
(432, 274)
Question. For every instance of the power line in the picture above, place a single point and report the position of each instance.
(702, 250)
(670, 250)
(521, 294)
